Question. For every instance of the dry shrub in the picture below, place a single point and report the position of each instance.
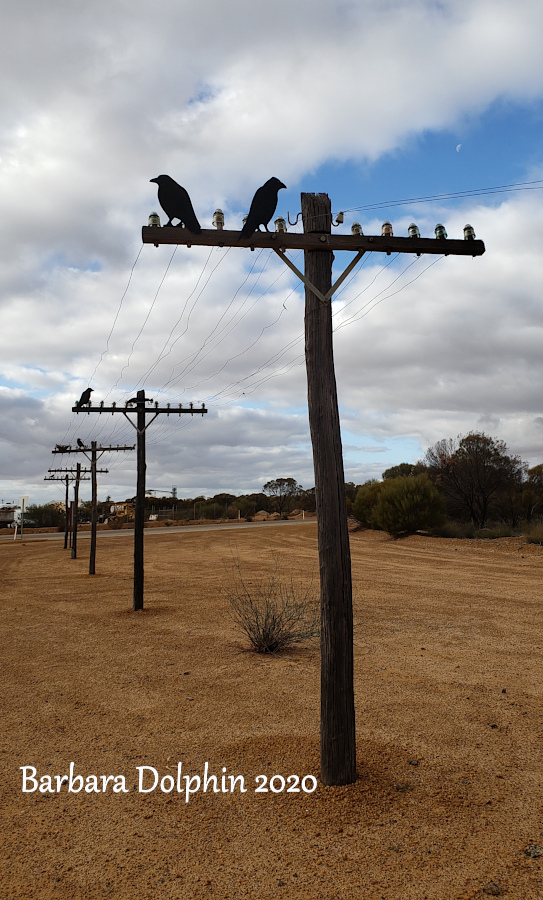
(535, 534)
(115, 523)
(273, 615)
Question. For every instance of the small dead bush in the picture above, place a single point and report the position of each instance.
(534, 535)
(273, 615)
(115, 523)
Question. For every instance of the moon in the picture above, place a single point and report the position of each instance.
(458, 147)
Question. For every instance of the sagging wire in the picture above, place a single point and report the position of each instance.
(194, 356)
(242, 352)
(253, 386)
(163, 355)
(127, 364)
(109, 337)
(388, 296)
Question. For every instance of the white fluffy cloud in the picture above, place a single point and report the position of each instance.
(99, 97)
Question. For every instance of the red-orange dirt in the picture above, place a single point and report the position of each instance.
(448, 685)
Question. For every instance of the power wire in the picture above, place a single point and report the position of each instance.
(163, 355)
(145, 321)
(456, 195)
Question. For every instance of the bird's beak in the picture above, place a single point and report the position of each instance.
(282, 186)
(154, 179)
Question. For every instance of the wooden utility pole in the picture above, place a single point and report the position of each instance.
(74, 511)
(70, 475)
(67, 515)
(338, 735)
(139, 512)
(93, 450)
(318, 243)
(94, 511)
(141, 426)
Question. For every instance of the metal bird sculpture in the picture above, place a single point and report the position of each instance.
(84, 398)
(175, 202)
(263, 206)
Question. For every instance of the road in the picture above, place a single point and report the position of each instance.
(173, 529)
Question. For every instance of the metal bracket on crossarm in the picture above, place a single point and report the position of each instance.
(324, 298)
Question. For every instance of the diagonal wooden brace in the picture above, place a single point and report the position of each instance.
(324, 298)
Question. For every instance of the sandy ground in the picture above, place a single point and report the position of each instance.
(448, 801)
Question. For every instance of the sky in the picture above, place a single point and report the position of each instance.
(377, 103)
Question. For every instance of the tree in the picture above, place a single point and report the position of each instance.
(365, 502)
(48, 515)
(350, 490)
(402, 470)
(306, 500)
(223, 499)
(532, 493)
(282, 490)
(249, 504)
(409, 504)
(473, 474)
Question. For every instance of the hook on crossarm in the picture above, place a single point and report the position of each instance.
(295, 221)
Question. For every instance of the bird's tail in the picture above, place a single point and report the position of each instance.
(246, 233)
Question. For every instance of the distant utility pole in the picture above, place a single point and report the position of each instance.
(70, 475)
(70, 526)
(93, 450)
(141, 427)
(75, 507)
(338, 736)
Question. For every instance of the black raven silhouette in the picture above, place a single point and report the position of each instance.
(262, 208)
(85, 397)
(175, 202)
(80, 443)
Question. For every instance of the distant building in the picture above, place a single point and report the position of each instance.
(8, 515)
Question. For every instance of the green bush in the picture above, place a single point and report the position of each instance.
(407, 504)
(49, 515)
(366, 500)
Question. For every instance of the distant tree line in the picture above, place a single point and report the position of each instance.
(280, 495)
(460, 487)
(473, 483)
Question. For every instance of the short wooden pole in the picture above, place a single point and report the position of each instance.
(139, 515)
(74, 511)
(94, 510)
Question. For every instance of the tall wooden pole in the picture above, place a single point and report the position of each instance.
(338, 735)
(139, 518)
(94, 510)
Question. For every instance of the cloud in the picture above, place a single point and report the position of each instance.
(97, 98)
